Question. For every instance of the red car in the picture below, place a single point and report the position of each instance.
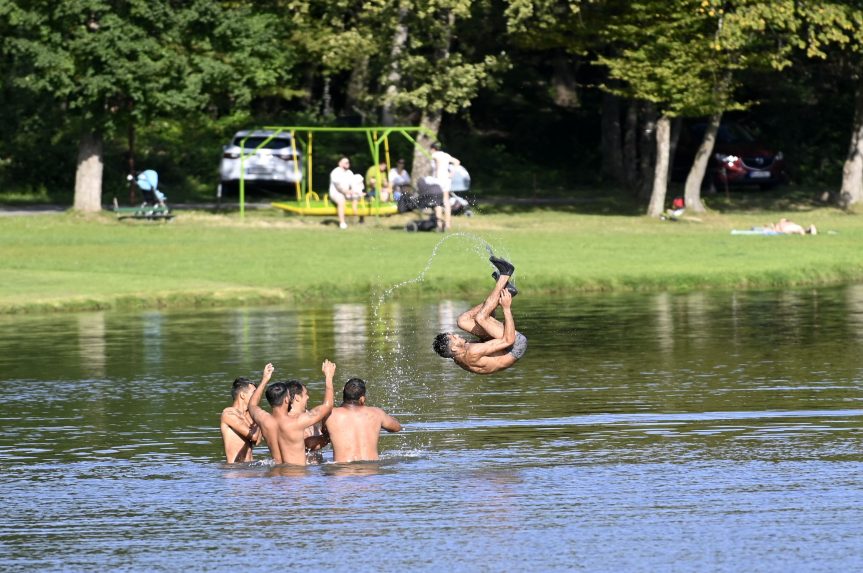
(738, 158)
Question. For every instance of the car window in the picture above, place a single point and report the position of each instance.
(254, 141)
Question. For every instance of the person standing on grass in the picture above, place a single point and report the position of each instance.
(500, 345)
(442, 161)
(285, 428)
(240, 434)
(355, 428)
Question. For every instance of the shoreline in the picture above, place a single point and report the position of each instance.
(251, 297)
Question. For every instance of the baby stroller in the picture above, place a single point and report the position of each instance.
(153, 206)
(429, 198)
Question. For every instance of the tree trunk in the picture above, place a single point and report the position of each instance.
(630, 145)
(433, 112)
(394, 76)
(852, 170)
(88, 176)
(695, 179)
(358, 87)
(421, 165)
(676, 126)
(131, 135)
(611, 144)
(647, 151)
(660, 177)
(564, 90)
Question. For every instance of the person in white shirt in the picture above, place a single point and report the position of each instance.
(343, 187)
(440, 169)
(400, 179)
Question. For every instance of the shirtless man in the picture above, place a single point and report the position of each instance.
(500, 345)
(239, 433)
(285, 428)
(791, 228)
(354, 428)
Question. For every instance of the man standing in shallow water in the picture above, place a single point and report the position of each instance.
(285, 428)
(354, 428)
(239, 433)
(500, 345)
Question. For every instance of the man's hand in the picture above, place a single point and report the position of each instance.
(505, 298)
(328, 368)
(268, 372)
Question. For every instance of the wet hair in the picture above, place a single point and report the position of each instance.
(276, 393)
(294, 388)
(354, 390)
(239, 385)
(441, 345)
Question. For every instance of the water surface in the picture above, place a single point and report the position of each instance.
(660, 432)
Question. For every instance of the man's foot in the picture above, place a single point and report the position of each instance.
(343, 225)
(509, 284)
(502, 266)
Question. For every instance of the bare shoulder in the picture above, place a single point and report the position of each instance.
(230, 412)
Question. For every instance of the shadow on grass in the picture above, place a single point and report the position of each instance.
(785, 198)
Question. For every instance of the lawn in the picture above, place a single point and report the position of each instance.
(68, 261)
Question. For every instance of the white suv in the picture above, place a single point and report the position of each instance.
(272, 163)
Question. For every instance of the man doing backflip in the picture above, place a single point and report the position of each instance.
(500, 345)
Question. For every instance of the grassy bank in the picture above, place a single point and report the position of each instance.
(64, 262)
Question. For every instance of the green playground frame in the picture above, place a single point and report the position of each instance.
(376, 136)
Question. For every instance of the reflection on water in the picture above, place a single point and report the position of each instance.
(640, 433)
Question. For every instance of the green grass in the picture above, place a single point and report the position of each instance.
(66, 261)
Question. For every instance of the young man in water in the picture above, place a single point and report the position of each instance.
(285, 428)
(354, 428)
(239, 433)
(500, 345)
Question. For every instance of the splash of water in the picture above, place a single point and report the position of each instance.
(478, 245)
(398, 366)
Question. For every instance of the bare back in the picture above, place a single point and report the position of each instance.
(285, 435)
(354, 431)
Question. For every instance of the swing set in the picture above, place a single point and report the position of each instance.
(309, 202)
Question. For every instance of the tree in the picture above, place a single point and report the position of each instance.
(667, 56)
(107, 63)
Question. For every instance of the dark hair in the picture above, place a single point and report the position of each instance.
(294, 387)
(354, 390)
(441, 345)
(239, 385)
(277, 392)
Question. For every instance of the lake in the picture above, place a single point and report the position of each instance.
(709, 431)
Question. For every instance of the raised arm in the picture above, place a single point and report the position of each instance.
(318, 413)
(255, 411)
